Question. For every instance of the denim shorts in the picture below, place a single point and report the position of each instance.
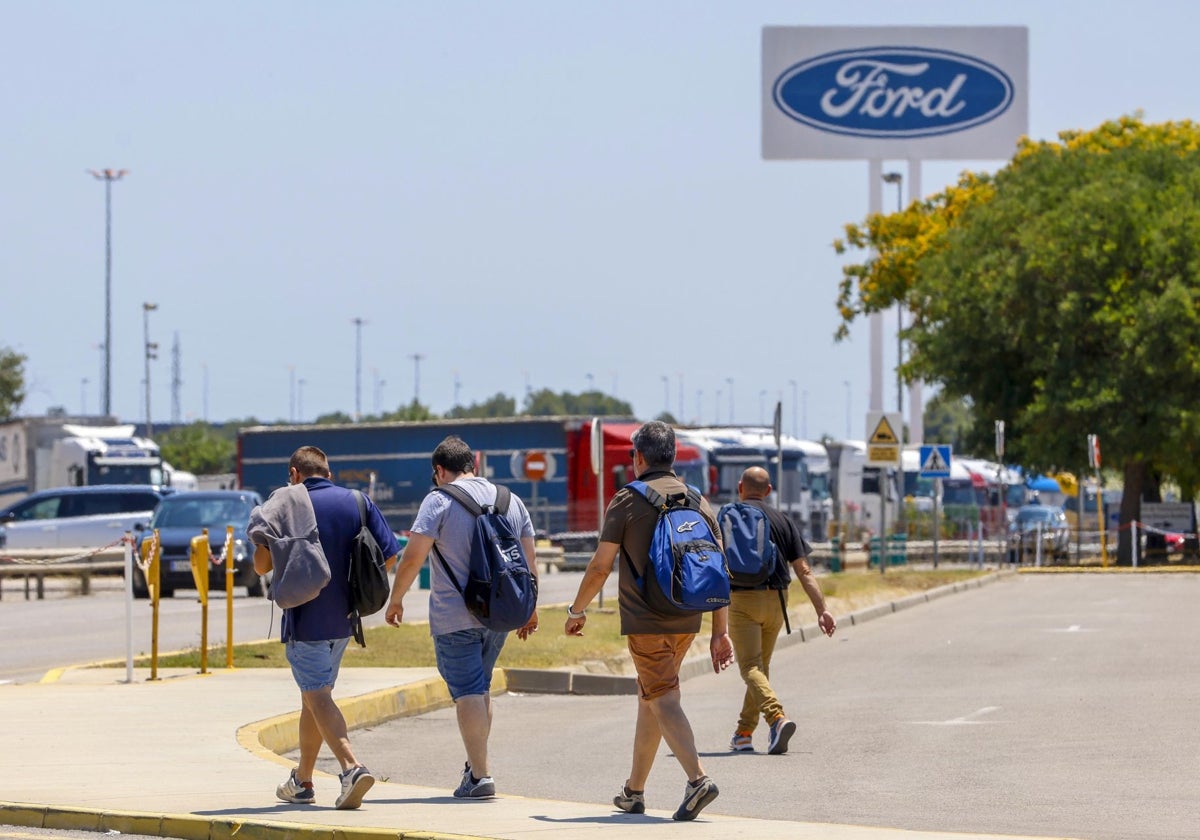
(465, 659)
(315, 664)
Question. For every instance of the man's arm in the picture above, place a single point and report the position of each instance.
(597, 572)
(808, 580)
(530, 546)
(720, 646)
(411, 560)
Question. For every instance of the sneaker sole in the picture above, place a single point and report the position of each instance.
(293, 800)
(354, 796)
(745, 748)
(635, 808)
(785, 734)
(684, 815)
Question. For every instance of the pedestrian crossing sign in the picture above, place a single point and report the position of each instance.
(935, 461)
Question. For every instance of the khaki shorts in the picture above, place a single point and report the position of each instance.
(657, 657)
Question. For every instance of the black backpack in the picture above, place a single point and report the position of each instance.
(368, 575)
(500, 591)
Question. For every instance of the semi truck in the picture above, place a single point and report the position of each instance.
(546, 461)
(41, 453)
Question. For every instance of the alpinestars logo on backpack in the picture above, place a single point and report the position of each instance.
(687, 572)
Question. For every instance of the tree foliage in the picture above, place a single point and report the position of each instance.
(949, 419)
(12, 382)
(1061, 295)
(199, 448)
(546, 403)
(498, 405)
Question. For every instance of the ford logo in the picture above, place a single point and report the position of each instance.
(893, 92)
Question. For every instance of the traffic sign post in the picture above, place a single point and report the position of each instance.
(935, 464)
(883, 450)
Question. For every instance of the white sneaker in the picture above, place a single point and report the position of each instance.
(355, 783)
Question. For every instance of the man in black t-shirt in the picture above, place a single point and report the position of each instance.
(756, 616)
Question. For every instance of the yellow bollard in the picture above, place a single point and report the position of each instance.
(229, 570)
(200, 551)
(153, 547)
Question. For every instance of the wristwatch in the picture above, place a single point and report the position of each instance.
(572, 614)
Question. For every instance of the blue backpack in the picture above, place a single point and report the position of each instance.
(749, 551)
(500, 590)
(687, 572)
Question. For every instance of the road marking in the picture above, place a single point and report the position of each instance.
(1074, 628)
(966, 720)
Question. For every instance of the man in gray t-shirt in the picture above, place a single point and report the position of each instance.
(466, 650)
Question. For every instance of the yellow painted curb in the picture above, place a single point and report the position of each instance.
(1120, 570)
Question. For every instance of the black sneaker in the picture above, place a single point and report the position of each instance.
(695, 796)
(629, 801)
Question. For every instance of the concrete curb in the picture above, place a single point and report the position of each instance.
(1101, 570)
(193, 827)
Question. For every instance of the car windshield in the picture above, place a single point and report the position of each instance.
(182, 512)
(1035, 515)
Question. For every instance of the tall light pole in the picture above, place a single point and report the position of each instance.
(151, 353)
(108, 176)
(358, 325)
(666, 380)
(300, 399)
(416, 357)
(898, 179)
(846, 382)
(729, 379)
(83, 396)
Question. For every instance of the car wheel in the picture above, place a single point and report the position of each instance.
(166, 592)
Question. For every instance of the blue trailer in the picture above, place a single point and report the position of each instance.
(390, 461)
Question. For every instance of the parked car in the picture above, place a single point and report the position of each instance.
(88, 517)
(182, 516)
(1032, 520)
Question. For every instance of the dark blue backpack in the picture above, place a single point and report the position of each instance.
(687, 572)
(500, 590)
(749, 551)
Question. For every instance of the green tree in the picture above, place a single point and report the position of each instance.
(1061, 295)
(498, 405)
(948, 420)
(333, 418)
(546, 403)
(12, 382)
(198, 448)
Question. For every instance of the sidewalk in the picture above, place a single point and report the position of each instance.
(195, 757)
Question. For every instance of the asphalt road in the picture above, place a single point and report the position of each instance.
(1057, 705)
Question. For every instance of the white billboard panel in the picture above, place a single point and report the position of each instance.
(894, 93)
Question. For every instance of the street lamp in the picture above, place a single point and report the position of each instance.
(358, 325)
(416, 357)
(151, 353)
(108, 176)
(83, 396)
(666, 380)
(898, 179)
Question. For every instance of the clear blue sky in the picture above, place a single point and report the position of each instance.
(521, 193)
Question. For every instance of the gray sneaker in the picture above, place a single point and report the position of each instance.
(781, 732)
(355, 783)
(695, 796)
(631, 802)
(469, 788)
(294, 790)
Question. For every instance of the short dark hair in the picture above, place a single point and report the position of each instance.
(454, 455)
(309, 461)
(656, 441)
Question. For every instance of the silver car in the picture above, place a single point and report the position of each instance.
(1039, 521)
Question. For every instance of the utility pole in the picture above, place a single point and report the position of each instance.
(107, 176)
(417, 357)
(151, 353)
(358, 325)
(176, 379)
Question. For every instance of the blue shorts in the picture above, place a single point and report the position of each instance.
(465, 659)
(315, 664)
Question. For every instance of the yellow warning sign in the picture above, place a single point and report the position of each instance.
(883, 434)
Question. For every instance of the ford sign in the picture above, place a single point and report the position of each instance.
(893, 92)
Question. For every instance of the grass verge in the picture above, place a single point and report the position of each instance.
(411, 646)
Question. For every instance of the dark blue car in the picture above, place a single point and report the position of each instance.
(181, 516)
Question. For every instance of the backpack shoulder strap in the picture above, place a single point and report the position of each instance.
(503, 496)
(462, 497)
(693, 497)
(362, 507)
(649, 494)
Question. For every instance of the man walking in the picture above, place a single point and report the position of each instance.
(466, 651)
(316, 632)
(657, 643)
(756, 615)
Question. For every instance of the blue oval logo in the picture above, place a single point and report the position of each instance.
(893, 92)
